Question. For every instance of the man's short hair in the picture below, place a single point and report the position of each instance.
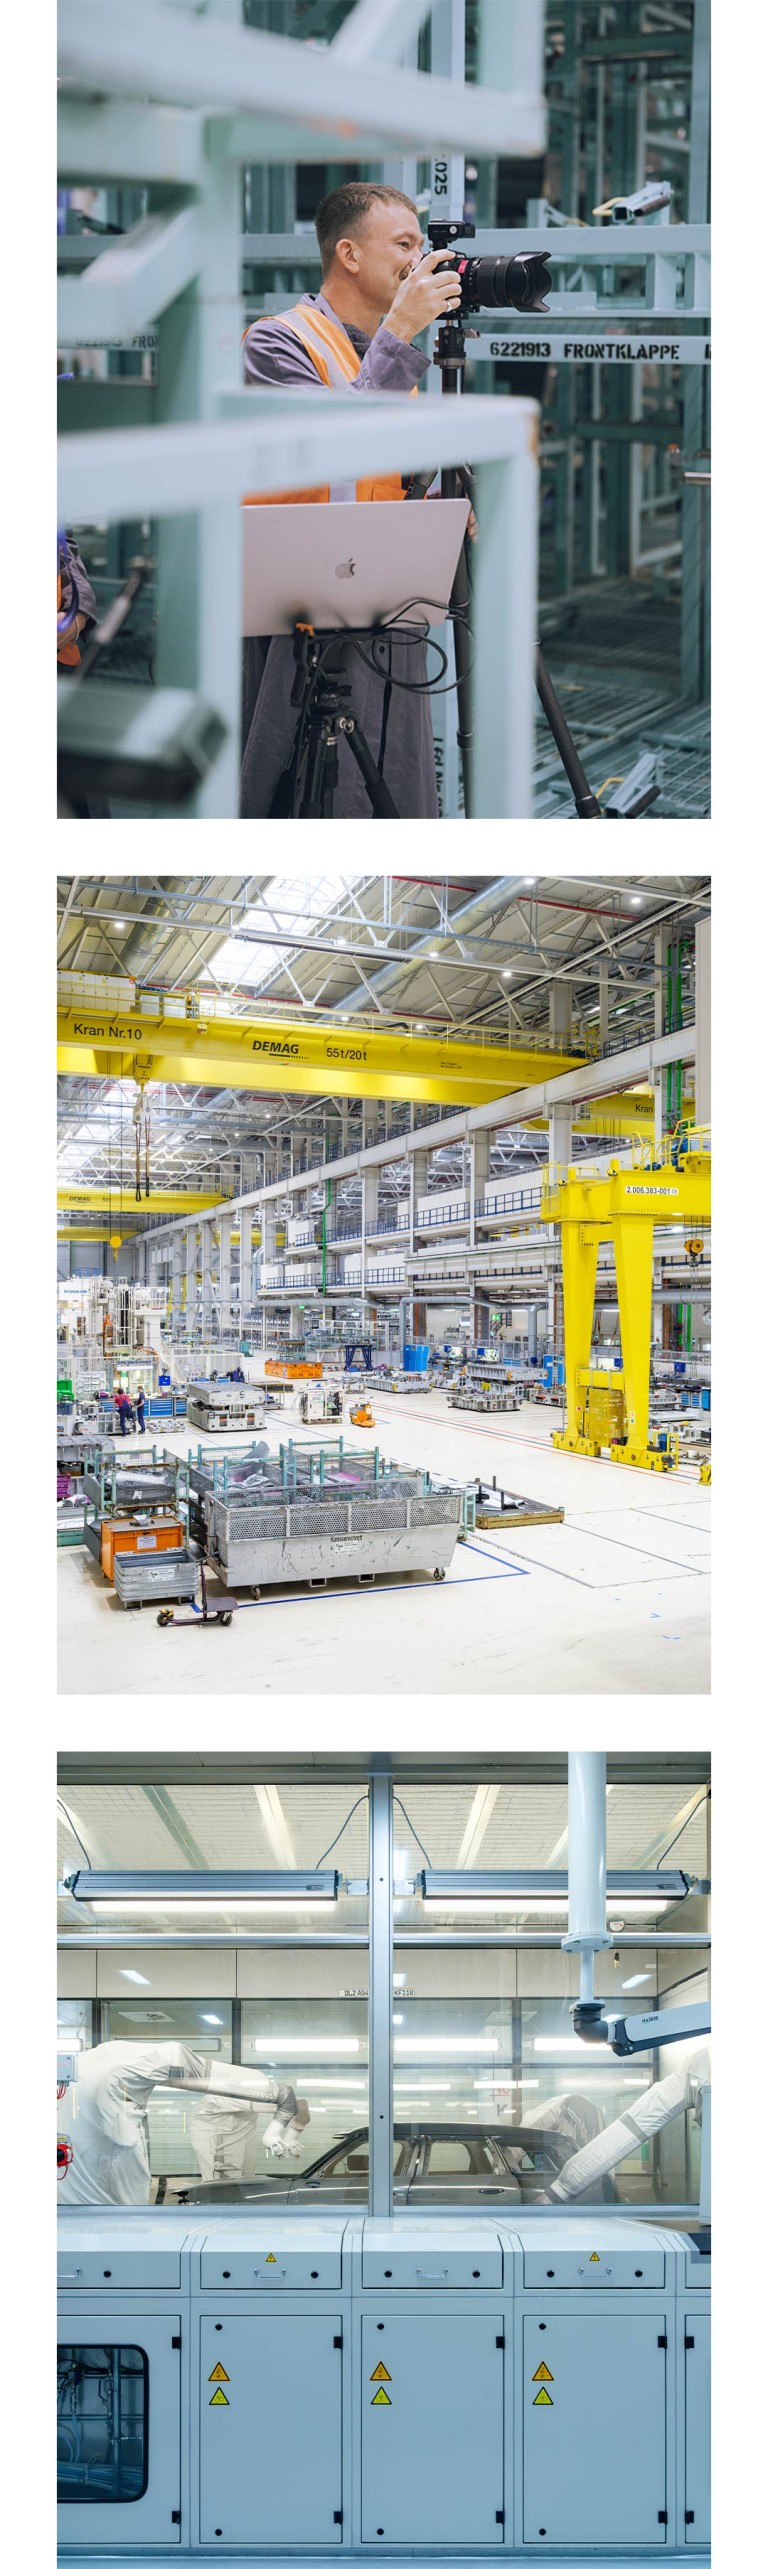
(345, 210)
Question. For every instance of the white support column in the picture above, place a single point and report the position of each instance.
(244, 1290)
(177, 1240)
(560, 1117)
(479, 1172)
(205, 1263)
(225, 1280)
(419, 1186)
(587, 1930)
(604, 993)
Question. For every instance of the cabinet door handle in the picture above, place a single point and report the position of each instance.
(71, 2279)
(424, 2277)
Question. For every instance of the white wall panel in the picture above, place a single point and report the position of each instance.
(168, 1972)
(76, 1975)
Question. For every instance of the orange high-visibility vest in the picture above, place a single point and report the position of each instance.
(67, 652)
(337, 363)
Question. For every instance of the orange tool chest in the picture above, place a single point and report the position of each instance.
(285, 1371)
(127, 1534)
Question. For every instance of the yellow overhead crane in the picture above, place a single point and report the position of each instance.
(318, 1060)
(109, 1199)
(668, 1184)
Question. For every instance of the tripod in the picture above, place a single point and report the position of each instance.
(320, 692)
(450, 356)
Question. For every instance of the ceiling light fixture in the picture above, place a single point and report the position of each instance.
(217, 1890)
(465, 2044)
(639, 1893)
(295, 2044)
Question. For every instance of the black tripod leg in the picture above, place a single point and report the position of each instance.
(451, 484)
(462, 644)
(381, 800)
(586, 802)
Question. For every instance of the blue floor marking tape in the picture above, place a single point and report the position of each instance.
(497, 1557)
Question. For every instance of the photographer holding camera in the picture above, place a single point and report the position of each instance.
(377, 294)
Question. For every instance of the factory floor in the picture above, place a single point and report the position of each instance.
(614, 1600)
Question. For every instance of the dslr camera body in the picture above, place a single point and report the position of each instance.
(494, 284)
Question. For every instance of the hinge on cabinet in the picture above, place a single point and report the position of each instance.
(338, 2341)
(338, 2515)
(175, 2515)
(662, 2341)
(500, 2515)
(663, 2517)
(501, 2341)
(689, 2516)
(689, 2341)
(175, 2341)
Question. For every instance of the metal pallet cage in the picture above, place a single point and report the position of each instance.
(172, 1574)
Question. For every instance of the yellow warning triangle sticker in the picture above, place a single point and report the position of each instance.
(381, 2374)
(218, 2374)
(219, 2400)
(543, 2374)
(542, 2399)
(270, 2261)
(381, 2399)
(594, 2259)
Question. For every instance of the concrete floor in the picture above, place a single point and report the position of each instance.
(614, 1601)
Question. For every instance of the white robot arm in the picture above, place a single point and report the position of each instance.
(110, 2146)
(659, 2105)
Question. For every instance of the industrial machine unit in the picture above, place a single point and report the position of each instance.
(446, 2386)
(487, 1396)
(214, 1406)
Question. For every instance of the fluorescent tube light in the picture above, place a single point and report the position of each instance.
(241, 1900)
(228, 1890)
(520, 1890)
(465, 2044)
(293, 2044)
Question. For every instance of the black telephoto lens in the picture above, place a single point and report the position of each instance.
(519, 284)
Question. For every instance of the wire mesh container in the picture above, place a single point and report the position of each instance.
(171, 1574)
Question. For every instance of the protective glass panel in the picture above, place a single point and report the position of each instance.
(319, 2047)
(505, 2071)
(102, 2425)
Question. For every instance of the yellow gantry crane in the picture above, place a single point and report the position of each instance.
(141, 1042)
(670, 1183)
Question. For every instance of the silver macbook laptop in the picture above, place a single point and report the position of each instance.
(352, 562)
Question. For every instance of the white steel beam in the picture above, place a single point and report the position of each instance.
(274, 441)
(144, 54)
(132, 281)
(378, 30)
(165, 145)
